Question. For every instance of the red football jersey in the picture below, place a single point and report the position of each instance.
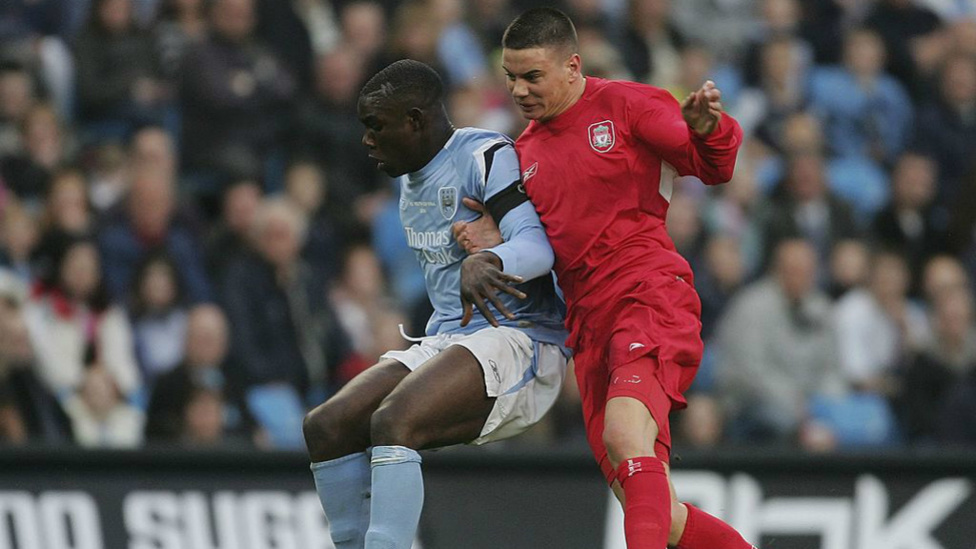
(600, 176)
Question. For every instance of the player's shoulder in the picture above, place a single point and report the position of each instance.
(614, 90)
(476, 148)
(470, 141)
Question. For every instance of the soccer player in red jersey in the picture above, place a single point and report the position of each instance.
(598, 160)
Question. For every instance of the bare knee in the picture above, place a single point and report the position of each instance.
(624, 443)
(391, 425)
(330, 434)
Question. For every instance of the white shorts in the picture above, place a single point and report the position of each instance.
(523, 376)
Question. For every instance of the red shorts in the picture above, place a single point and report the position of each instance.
(646, 346)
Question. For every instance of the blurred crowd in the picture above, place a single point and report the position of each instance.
(195, 248)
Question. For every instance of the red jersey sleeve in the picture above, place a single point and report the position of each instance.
(655, 119)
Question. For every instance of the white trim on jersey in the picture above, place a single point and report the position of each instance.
(666, 186)
(479, 157)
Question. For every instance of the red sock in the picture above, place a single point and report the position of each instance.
(703, 531)
(647, 511)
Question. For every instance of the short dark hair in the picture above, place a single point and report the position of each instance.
(541, 27)
(407, 82)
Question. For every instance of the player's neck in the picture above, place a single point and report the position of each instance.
(439, 137)
(575, 93)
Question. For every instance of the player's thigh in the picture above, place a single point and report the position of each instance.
(443, 402)
(344, 418)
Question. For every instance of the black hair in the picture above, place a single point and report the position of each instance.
(62, 245)
(137, 305)
(541, 27)
(407, 82)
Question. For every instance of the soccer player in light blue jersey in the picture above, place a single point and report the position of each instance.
(493, 360)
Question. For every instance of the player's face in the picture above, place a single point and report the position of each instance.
(541, 80)
(391, 137)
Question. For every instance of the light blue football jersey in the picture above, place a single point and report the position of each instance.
(482, 165)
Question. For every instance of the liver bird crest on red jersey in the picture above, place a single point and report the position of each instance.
(602, 136)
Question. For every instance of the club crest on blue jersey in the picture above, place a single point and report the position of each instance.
(447, 198)
(602, 136)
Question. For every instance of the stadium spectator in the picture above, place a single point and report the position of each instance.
(203, 419)
(603, 59)
(36, 35)
(229, 237)
(152, 151)
(943, 274)
(17, 95)
(180, 25)
(307, 188)
(19, 237)
(703, 425)
(940, 367)
(780, 90)
(488, 18)
(28, 411)
(287, 345)
(281, 26)
(652, 44)
(720, 276)
(957, 417)
(907, 28)
(777, 349)
(118, 76)
(158, 313)
(807, 209)
(66, 212)
(724, 27)
(149, 222)
(100, 416)
(27, 172)
(70, 313)
(879, 313)
(233, 96)
(909, 223)
(780, 21)
(361, 306)
(946, 127)
(364, 29)
(866, 113)
(849, 267)
(414, 35)
(181, 407)
(457, 45)
(108, 176)
(66, 207)
(327, 128)
(734, 210)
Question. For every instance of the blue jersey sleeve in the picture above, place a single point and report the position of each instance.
(525, 251)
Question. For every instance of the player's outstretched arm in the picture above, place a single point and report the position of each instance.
(696, 136)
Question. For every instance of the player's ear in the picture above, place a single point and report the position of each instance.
(416, 118)
(575, 67)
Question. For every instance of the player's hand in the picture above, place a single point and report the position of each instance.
(480, 234)
(481, 280)
(702, 109)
